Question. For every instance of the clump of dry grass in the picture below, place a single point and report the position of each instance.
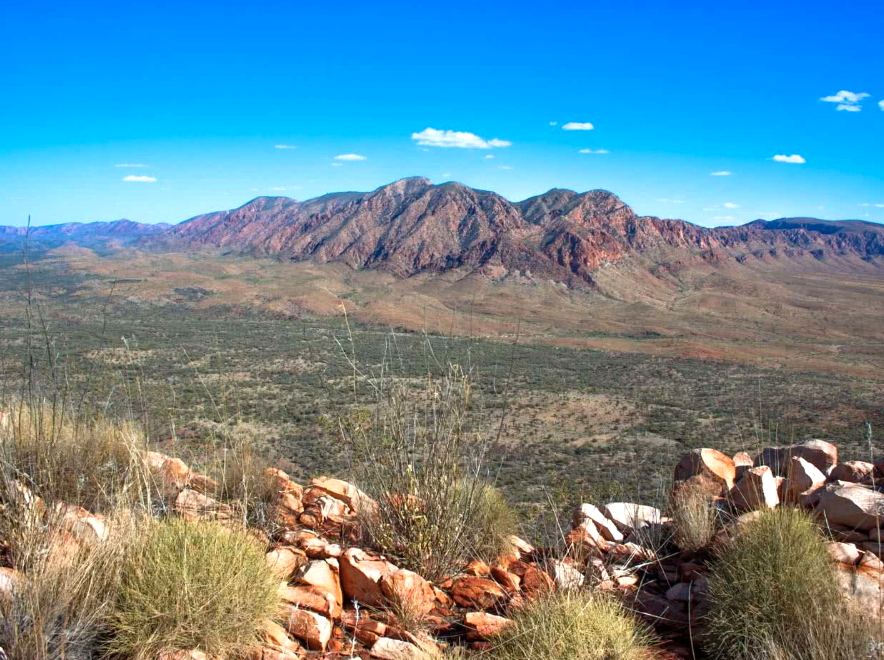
(695, 517)
(85, 460)
(419, 460)
(577, 625)
(775, 596)
(191, 585)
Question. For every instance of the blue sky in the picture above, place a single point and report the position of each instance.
(196, 97)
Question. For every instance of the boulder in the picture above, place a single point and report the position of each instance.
(756, 490)
(565, 576)
(850, 505)
(534, 581)
(311, 628)
(607, 528)
(275, 636)
(170, 475)
(477, 593)
(340, 490)
(863, 584)
(804, 479)
(192, 505)
(285, 561)
(478, 568)
(843, 553)
(628, 517)
(321, 574)
(853, 472)
(361, 575)
(822, 455)
(309, 597)
(484, 626)
(505, 579)
(387, 648)
(85, 527)
(408, 589)
(586, 537)
(709, 467)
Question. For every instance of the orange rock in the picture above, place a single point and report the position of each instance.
(505, 579)
(482, 626)
(478, 593)
(311, 628)
(361, 575)
(310, 598)
(478, 568)
(285, 561)
(276, 636)
(340, 490)
(756, 490)
(192, 505)
(710, 466)
(408, 588)
(321, 574)
(170, 475)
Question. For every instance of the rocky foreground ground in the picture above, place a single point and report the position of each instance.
(338, 598)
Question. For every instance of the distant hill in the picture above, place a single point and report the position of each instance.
(85, 234)
(414, 226)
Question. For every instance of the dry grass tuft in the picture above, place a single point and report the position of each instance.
(191, 585)
(576, 625)
(695, 518)
(420, 461)
(775, 596)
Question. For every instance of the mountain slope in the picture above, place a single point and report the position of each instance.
(413, 226)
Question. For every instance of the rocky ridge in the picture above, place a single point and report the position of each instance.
(413, 226)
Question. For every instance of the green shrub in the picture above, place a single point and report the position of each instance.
(775, 597)
(576, 625)
(191, 585)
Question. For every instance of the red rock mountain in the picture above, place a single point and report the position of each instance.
(413, 226)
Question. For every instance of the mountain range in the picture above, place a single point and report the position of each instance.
(413, 226)
(86, 234)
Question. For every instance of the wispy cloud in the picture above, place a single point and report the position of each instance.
(578, 126)
(488, 156)
(848, 101)
(794, 158)
(139, 179)
(130, 165)
(554, 123)
(350, 157)
(432, 137)
(720, 173)
(284, 146)
(731, 205)
(881, 105)
(594, 151)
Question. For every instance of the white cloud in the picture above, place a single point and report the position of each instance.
(720, 173)
(578, 126)
(794, 158)
(350, 157)
(881, 105)
(284, 146)
(879, 206)
(130, 165)
(554, 123)
(139, 179)
(489, 156)
(731, 205)
(847, 101)
(432, 137)
(596, 151)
